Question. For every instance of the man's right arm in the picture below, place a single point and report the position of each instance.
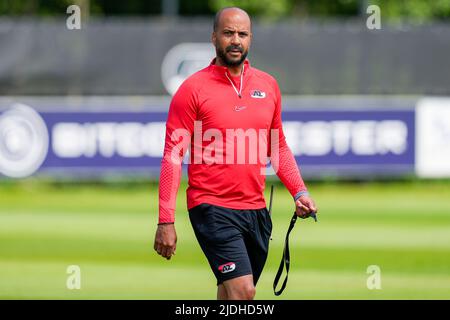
(179, 129)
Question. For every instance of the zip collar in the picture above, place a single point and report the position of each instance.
(223, 71)
(239, 93)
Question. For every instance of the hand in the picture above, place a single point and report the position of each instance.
(304, 206)
(165, 240)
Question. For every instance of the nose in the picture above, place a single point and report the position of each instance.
(235, 39)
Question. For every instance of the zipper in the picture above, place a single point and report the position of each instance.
(239, 93)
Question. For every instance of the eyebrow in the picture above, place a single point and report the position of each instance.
(240, 31)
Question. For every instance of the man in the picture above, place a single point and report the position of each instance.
(225, 199)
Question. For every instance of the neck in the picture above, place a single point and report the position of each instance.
(234, 70)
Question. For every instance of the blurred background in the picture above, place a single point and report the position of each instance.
(85, 87)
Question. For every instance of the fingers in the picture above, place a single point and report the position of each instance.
(165, 251)
(168, 252)
(165, 240)
(158, 248)
(312, 207)
(308, 202)
(304, 215)
(305, 206)
(302, 212)
(304, 209)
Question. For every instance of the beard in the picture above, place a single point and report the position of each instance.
(231, 62)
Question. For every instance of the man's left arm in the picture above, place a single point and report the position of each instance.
(285, 166)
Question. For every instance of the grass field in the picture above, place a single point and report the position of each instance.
(108, 231)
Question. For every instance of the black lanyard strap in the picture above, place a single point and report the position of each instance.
(285, 260)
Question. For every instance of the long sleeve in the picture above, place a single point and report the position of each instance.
(179, 130)
(282, 159)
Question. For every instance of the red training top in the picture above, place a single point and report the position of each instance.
(208, 115)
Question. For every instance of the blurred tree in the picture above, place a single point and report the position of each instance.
(92, 7)
(264, 8)
(129, 7)
(195, 7)
(418, 10)
(326, 8)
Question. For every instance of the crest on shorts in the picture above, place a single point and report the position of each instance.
(227, 267)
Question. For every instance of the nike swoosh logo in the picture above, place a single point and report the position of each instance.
(239, 108)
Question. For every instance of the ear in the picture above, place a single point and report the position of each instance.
(213, 38)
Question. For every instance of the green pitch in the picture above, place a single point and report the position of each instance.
(404, 228)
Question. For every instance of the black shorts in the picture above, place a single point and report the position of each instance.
(235, 242)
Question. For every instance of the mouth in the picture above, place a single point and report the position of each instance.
(235, 52)
(234, 49)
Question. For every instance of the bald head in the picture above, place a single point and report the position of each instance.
(232, 37)
(230, 11)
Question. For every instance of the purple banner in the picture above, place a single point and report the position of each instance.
(324, 142)
(359, 141)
